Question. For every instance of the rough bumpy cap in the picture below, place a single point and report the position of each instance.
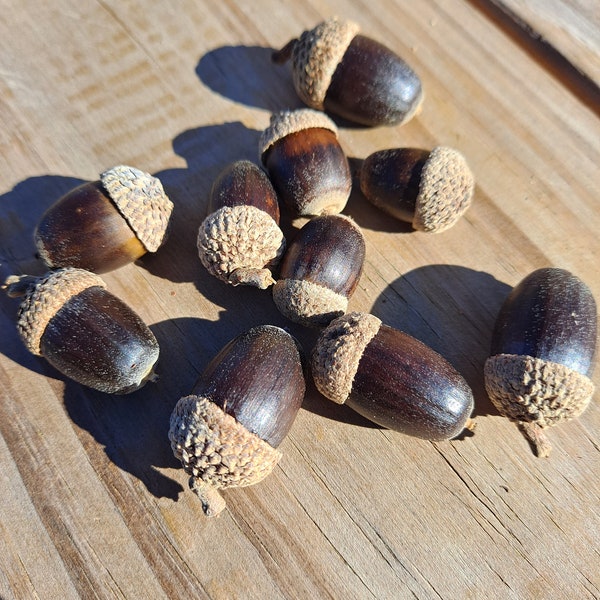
(337, 353)
(316, 55)
(44, 297)
(445, 191)
(286, 122)
(142, 201)
(217, 451)
(236, 244)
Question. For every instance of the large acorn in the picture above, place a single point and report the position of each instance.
(336, 69)
(88, 334)
(542, 354)
(391, 378)
(226, 433)
(103, 225)
(431, 190)
(240, 241)
(320, 270)
(306, 164)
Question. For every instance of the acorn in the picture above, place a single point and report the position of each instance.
(305, 162)
(429, 189)
(336, 69)
(320, 270)
(391, 378)
(106, 224)
(542, 353)
(240, 241)
(227, 432)
(85, 332)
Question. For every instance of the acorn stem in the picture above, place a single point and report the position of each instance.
(260, 278)
(280, 57)
(212, 501)
(18, 285)
(537, 438)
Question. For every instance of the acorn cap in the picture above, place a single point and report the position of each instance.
(286, 122)
(237, 243)
(44, 296)
(445, 190)
(316, 55)
(217, 451)
(142, 201)
(337, 353)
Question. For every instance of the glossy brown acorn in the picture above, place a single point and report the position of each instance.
(320, 270)
(103, 225)
(429, 189)
(240, 241)
(334, 68)
(227, 432)
(391, 378)
(542, 354)
(88, 334)
(305, 162)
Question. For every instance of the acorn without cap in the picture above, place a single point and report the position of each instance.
(320, 270)
(336, 69)
(227, 432)
(429, 189)
(103, 225)
(542, 355)
(391, 378)
(240, 241)
(305, 162)
(88, 334)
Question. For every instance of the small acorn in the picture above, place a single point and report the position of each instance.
(240, 241)
(429, 189)
(88, 334)
(227, 432)
(320, 270)
(391, 378)
(336, 69)
(106, 224)
(542, 354)
(306, 164)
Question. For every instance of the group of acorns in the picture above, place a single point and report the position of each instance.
(226, 433)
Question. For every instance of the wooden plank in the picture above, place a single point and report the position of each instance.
(95, 504)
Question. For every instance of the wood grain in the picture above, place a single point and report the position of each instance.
(95, 505)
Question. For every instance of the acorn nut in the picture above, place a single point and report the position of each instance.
(305, 162)
(391, 378)
(227, 432)
(106, 224)
(320, 270)
(429, 189)
(240, 241)
(88, 334)
(336, 69)
(542, 354)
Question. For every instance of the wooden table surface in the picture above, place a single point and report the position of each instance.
(94, 504)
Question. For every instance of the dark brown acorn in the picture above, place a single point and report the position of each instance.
(88, 334)
(429, 189)
(226, 433)
(103, 225)
(240, 241)
(305, 162)
(391, 378)
(542, 355)
(320, 270)
(336, 69)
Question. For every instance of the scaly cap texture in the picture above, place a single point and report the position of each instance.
(142, 201)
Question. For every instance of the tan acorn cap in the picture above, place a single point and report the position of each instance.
(142, 201)
(237, 244)
(316, 55)
(530, 390)
(337, 353)
(286, 122)
(216, 451)
(445, 191)
(44, 296)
